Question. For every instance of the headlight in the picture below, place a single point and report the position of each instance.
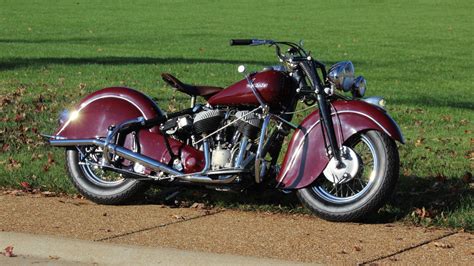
(358, 89)
(342, 75)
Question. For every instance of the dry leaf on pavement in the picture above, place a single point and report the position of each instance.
(442, 245)
(179, 217)
(197, 205)
(8, 252)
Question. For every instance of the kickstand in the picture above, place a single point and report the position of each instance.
(171, 194)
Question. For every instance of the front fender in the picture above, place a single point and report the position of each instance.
(306, 156)
(109, 106)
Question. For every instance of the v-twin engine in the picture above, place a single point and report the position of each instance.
(229, 133)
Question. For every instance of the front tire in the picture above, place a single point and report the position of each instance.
(366, 192)
(99, 186)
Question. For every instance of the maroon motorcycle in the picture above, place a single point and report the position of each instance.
(342, 160)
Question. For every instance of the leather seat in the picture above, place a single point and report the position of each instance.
(192, 90)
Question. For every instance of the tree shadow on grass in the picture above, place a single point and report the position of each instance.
(424, 198)
(435, 102)
(431, 197)
(14, 63)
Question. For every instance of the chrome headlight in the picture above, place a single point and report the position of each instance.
(342, 75)
(358, 89)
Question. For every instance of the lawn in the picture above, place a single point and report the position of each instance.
(417, 54)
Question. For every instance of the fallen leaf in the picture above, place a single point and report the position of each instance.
(26, 186)
(422, 213)
(48, 194)
(13, 164)
(442, 245)
(5, 147)
(197, 205)
(446, 118)
(179, 217)
(8, 252)
(82, 86)
(14, 192)
(419, 142)
(467, 177)
(20, 117)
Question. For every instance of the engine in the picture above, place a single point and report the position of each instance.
(230, 134)
(226, 131)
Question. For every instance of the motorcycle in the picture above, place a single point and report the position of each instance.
(342, 160)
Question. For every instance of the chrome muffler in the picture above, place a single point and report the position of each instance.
(145, 160)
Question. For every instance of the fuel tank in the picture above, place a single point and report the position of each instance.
(270, 84)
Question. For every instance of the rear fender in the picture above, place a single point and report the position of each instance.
(109, 106)
(112, 106)
(306, 156)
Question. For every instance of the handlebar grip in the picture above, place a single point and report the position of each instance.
(241, 42)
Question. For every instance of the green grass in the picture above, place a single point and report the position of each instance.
(417, 54)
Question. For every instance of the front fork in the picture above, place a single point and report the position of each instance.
(325, 111)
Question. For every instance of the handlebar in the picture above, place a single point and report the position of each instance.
(240, 42)
(295, 55)
(234, 42)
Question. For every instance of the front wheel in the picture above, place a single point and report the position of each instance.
(97, 185)
(364, 183)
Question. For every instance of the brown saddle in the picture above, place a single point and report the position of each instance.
(192, 90)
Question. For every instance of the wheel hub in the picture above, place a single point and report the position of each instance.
(345, 172)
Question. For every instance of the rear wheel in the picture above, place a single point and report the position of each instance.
(97, 185)
(369, 175)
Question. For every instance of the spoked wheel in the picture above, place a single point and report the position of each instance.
(361, 185)
(97, 185)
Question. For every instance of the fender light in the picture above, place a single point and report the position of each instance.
(377, 101)
(66, 115)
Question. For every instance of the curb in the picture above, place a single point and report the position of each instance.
(74, 250)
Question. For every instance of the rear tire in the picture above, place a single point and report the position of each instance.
(321, 200)
(92, 187)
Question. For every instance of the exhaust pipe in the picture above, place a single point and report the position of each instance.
(144, 160)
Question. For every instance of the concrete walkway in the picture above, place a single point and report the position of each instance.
(198, 235)
(36, 249)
